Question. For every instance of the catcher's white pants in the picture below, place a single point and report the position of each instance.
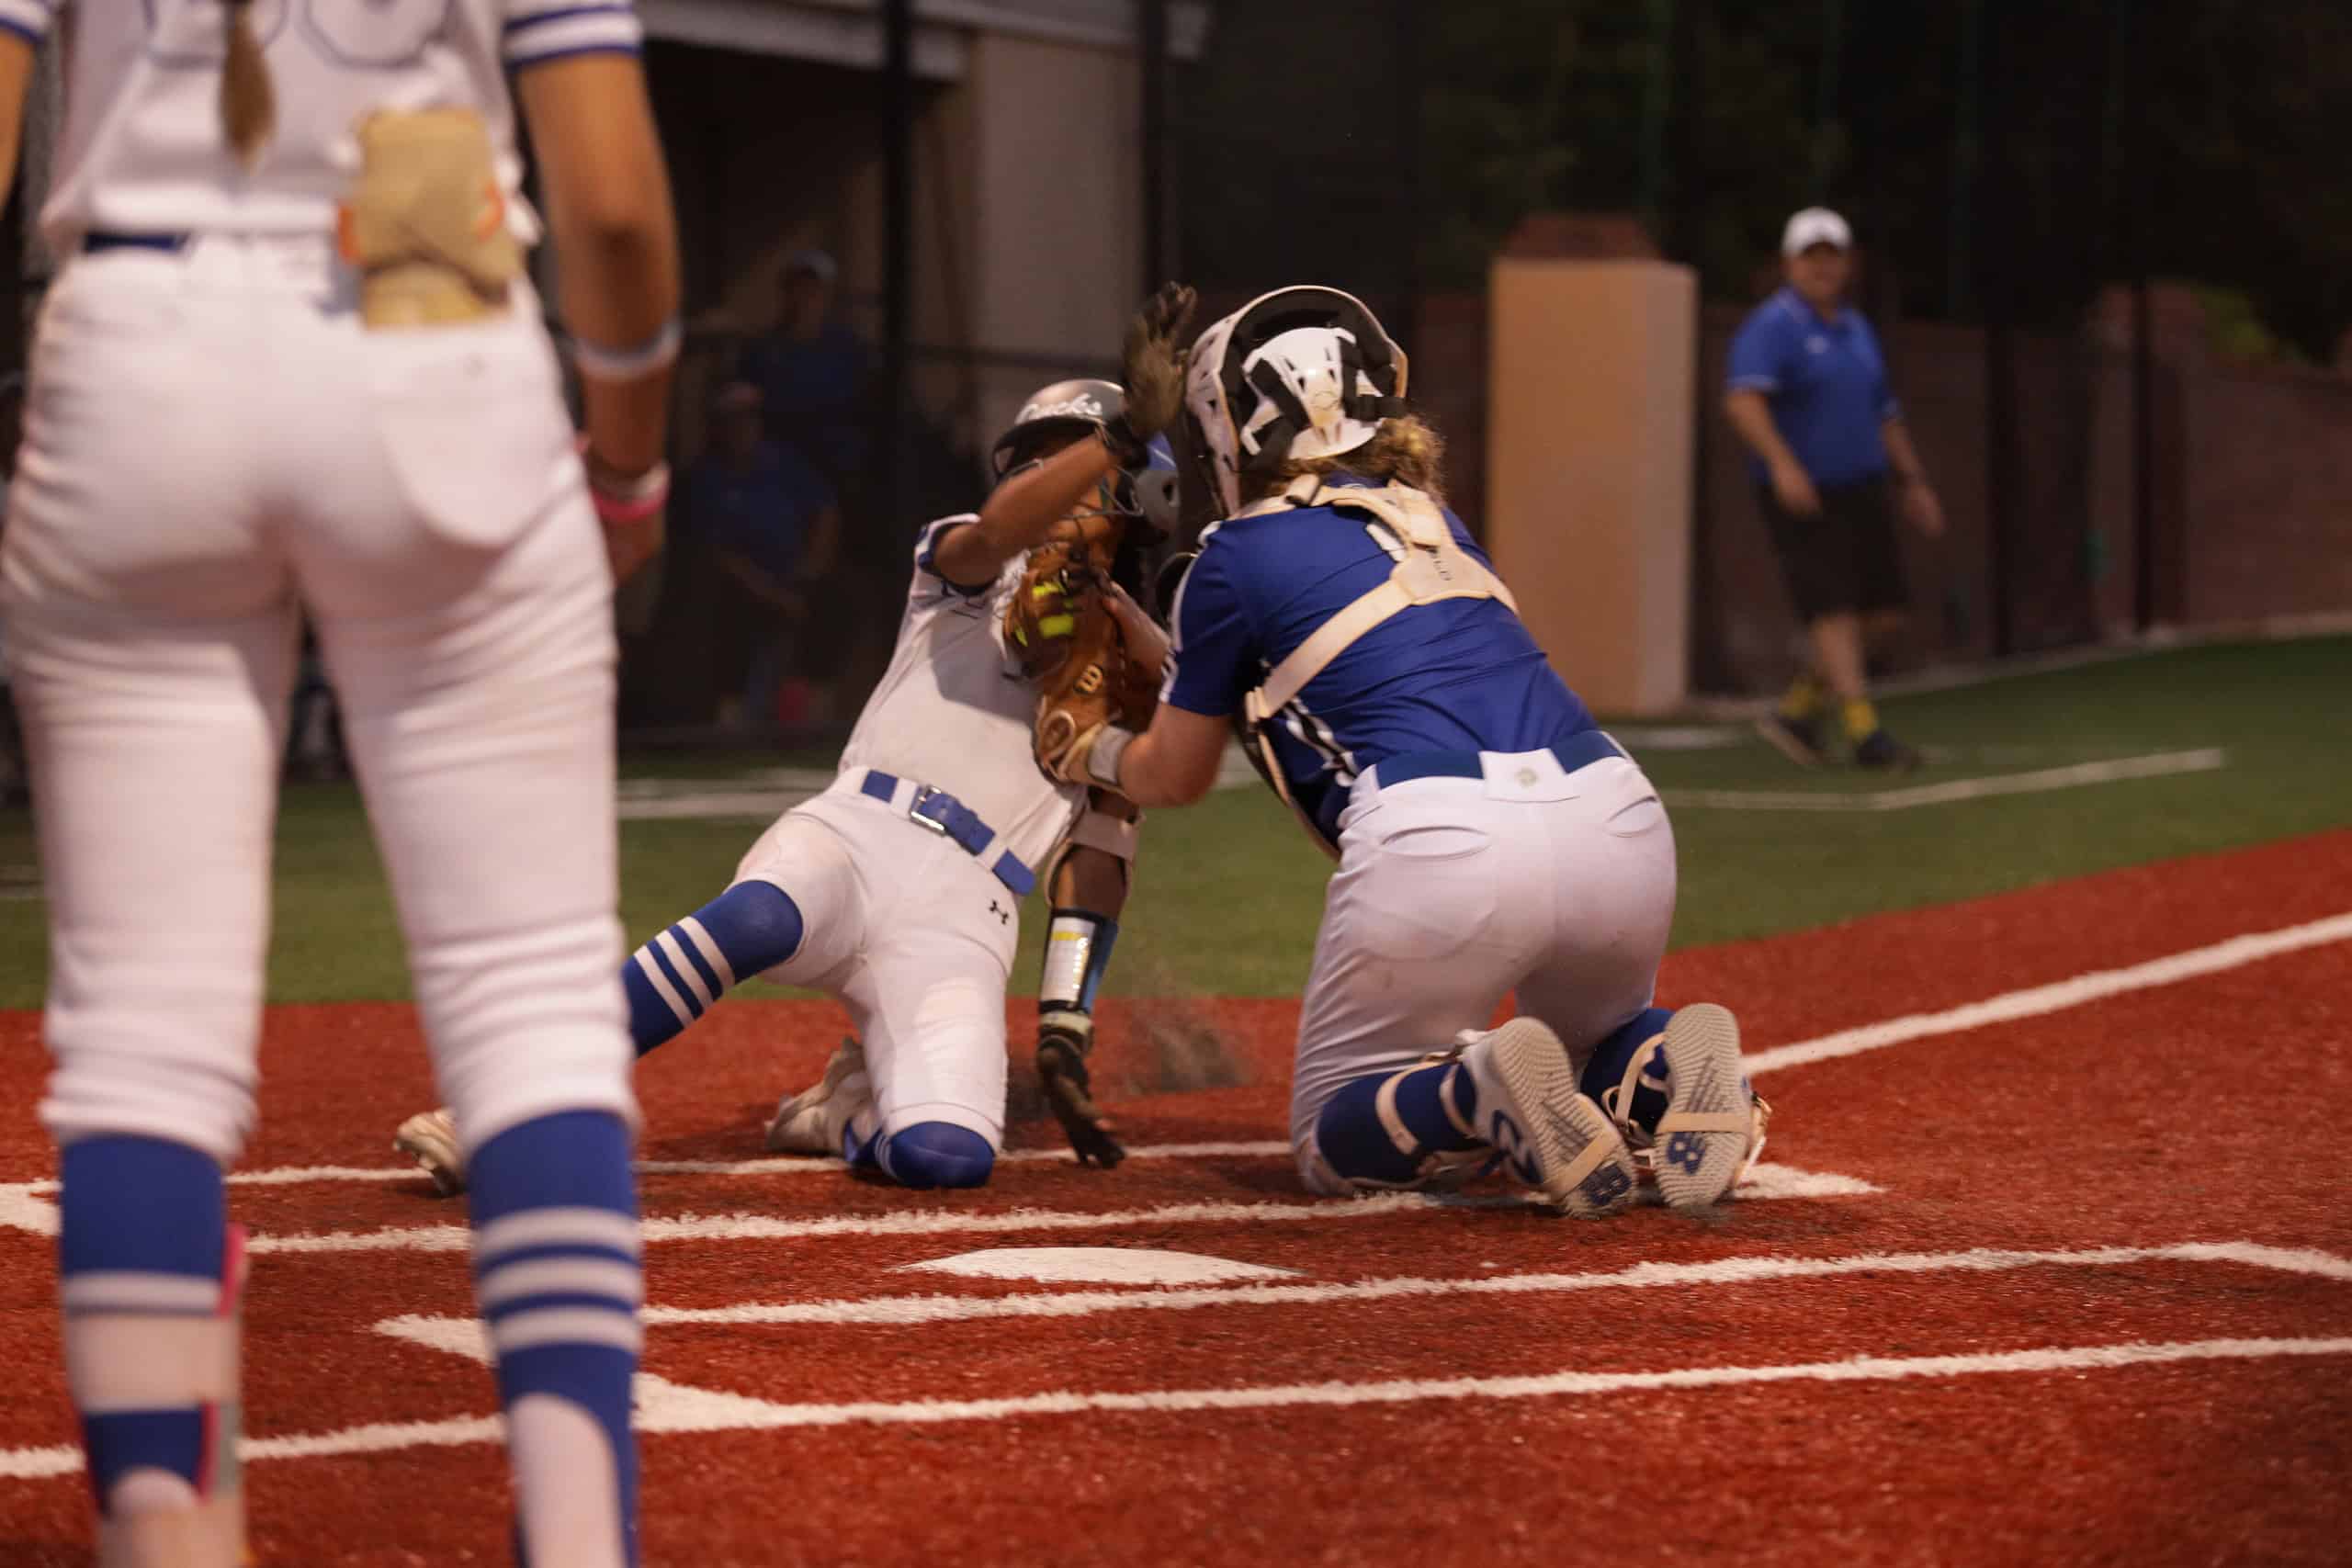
(212, 437)
(1452, 893)
(913, 937)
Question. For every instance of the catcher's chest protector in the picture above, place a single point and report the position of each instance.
(1433, 567)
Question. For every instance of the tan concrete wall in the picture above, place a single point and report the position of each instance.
(1588, 482)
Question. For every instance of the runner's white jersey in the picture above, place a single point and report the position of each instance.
(954, 711)
(143, 153)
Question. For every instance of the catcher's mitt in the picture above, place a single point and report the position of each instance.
(1060, 626)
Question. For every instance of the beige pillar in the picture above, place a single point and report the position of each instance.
(1589, 428)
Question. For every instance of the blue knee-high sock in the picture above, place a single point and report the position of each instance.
(1607, 1068)
(557, 1273)
(674, 979)
(142, 1238)
(1359, 1142)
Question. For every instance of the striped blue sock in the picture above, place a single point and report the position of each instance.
(556, 1269)
(674, 979)
(141, 1253)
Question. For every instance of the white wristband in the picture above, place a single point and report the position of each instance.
(656, 353)
(1102, 757)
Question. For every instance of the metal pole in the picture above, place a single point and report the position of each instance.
(12, 290)
(1657, 104)
(1159, 263)
(1825, 113)
(1408, 77)
(2131, 64)
(1997, 278)
(1964, 156)
(898, 252)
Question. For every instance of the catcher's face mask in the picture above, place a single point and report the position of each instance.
(1303, 372)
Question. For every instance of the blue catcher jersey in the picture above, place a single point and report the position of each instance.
(1458, 675)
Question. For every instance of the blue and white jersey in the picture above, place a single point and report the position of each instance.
(1457, 675)
(955, 710)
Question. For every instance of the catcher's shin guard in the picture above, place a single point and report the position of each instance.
(1400, 1131)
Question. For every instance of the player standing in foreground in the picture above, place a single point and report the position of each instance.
(294, 360)
(1490, 839)
(898, 889)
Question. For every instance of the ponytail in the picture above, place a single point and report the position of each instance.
(248, 105)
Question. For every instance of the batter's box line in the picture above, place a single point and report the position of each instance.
(22, 1209)
(667, 1407)
(462, 1336)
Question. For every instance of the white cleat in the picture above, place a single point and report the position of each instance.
(1552, 1138)
(1714, 1125)
(811, 1121)
(430, 1138)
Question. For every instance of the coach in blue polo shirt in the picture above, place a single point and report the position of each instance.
(1806, 390)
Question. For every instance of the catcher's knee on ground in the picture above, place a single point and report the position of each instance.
(935, 1153)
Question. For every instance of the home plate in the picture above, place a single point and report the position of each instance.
(1098, 1265)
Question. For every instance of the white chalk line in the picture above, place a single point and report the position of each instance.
(774, 1165)
(1779, 1182)
(463, 1337)
(22, 1208)
(664, 1406)
(1947, 791)
(2059, 996)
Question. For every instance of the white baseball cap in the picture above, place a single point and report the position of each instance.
(1815, 226)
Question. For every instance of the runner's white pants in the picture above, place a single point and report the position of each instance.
(913, 937)
(212, 437)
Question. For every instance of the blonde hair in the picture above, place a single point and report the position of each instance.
(1408, 451)
(248, 103)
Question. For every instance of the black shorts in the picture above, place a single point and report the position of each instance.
(1844, 559)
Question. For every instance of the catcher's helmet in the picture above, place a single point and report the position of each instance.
(1302, 372)
(1065, 407)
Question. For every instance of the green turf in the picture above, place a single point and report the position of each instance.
(1229, 890)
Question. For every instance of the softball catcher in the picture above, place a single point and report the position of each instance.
(1490, 839)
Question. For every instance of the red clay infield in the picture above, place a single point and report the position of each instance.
(2085, 1296)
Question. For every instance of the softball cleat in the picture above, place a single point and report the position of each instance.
(1552, 1138)
(1713, 1123)
(812, 1122)
(430, 1138)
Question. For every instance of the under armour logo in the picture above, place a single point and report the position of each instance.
(1685, 1150)
(1003, 915)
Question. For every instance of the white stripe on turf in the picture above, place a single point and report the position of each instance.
(2042, 780)
(664, 1407)
(2037, 1001)
(462, 1336)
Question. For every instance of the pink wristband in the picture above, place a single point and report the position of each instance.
(644, 496)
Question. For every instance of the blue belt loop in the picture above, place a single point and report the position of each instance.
(98, 240)
(940, 812)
